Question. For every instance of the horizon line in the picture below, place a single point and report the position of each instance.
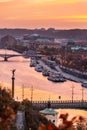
(45, 28)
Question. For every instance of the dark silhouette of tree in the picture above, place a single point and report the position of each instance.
(33, 118)
(7, 114)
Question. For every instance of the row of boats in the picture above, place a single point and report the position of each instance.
(51, 75)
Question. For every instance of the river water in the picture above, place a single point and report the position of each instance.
(32, 84)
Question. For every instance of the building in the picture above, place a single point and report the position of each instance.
(41, 45)
(50, 114)
(20, 120)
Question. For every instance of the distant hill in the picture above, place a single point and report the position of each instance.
(77, 34)
(8, 42)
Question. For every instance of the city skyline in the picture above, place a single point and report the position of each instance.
(64, 14)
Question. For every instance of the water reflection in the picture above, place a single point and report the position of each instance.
(26, 76)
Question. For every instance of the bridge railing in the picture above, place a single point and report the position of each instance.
(61, 104)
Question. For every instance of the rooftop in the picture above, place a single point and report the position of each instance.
(48, 111)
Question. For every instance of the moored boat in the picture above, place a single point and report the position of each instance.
(56, 78)
(84, 84)
(39, 68)
(45, 72)
(33, 63)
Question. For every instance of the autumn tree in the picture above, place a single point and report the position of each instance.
(7, 114)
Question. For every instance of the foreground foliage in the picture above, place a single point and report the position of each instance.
(7, 113)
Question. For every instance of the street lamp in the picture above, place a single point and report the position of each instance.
(31, 94)
(82, 94)
(72, 93)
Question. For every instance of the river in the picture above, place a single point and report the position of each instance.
(29, 83)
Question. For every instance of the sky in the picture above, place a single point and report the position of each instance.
(30, 14)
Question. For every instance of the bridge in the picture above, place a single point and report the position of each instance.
(77, 104)
(6, 56)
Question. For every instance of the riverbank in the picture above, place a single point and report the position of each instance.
(67, 75)
(43, 89)
(70, 76)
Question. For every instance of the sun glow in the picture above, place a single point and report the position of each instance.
(56, 1)
(1, 1)
(35, 13)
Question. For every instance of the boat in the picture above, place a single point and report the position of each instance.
(33, 63)
(84, 84)
(39, 68)
(45, 72)
(56, 78)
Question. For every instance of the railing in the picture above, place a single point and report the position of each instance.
(77, 104)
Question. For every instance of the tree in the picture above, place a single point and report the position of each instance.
(33, 118)
(7, 114)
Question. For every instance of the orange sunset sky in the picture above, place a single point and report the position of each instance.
(59, 14)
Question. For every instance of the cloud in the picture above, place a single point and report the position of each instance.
(2, 1)
(56, 1)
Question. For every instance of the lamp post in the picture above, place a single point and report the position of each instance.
(31, 94)
(22, 92)
(13, 78)
(82, 94)
(72, 93)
